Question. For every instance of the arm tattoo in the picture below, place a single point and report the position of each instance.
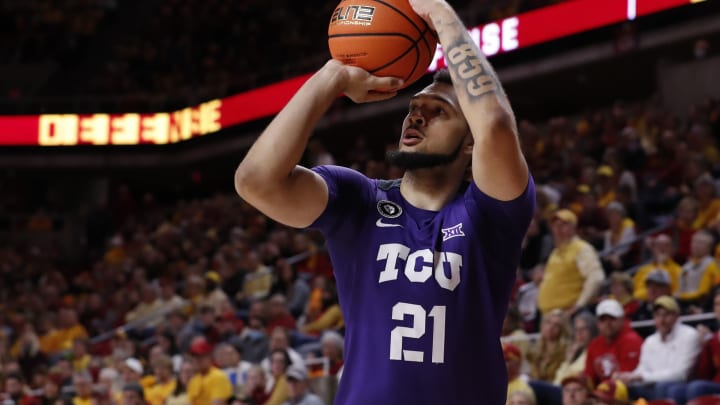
(471, 68)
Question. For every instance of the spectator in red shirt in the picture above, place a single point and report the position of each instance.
(15, 391)
(708, 368)
(278, 314)
(617, 348)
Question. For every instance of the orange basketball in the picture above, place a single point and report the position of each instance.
(384, 37)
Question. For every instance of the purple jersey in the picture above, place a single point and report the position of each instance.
(423, 293)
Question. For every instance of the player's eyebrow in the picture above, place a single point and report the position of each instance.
(434, 97)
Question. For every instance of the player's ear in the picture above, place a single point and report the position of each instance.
(468, 143)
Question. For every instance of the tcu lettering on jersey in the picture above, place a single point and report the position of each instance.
(418, 265)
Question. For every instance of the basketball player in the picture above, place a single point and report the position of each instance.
(425, 264)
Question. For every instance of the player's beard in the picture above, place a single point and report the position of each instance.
(420, 160)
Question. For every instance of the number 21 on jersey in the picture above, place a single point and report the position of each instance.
(419, 322)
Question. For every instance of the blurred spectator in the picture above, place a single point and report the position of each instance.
(214, 296)
(682, 228)
(229, 360)
(133, 394)
(617, 246)
(706, 379)
(527, 296)
(661, 246)
(280, 340)
(180, 395)
(68, 329)
(297, 388)
(15, 390)
(621, 289)
(277, 382)
(617, 348)
(333, 346)
(708, 204)
(521, 398)
(278, 314)
(329, 315)
(576, 390)
(513, 363)
(164, 384)
(584, 329)
(291, 286)
(254, 389)
(83, 389)
(666, 357)
(258, 278)
(209, 385)
(537, 244)
(513, 331)
(611, 392)
(548, 352)
(657, 284)
(148, 306)
(573, 272)
(699, 273)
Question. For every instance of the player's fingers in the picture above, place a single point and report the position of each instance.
(373, 96)
(385, 83)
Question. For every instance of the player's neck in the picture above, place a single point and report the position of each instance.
(429, 189)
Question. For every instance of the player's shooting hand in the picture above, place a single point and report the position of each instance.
(424, 8)
(363, 87)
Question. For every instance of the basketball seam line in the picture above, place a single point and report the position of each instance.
(422, 33)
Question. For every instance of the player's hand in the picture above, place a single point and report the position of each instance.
(363, 87)
(424, 8)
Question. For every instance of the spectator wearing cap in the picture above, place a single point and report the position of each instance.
(661, 246)
(616, 348)
(576, 390)
(617, 239)
(606, 186)
(209, 385)
(133, 394)
(707, 375)
(297, 387)
(666, 357)
(584, 329)
(611, 392)
(573, 272)
(214, 296)
(513, 364)
(698, 273)
(591, 218)
(657, 284)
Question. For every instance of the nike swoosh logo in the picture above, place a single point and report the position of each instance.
(381, 224)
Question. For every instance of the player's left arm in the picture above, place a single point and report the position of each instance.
(499, 168)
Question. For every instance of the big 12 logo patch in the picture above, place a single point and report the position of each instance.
(353, 15)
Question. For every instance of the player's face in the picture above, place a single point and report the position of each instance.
(434, 131)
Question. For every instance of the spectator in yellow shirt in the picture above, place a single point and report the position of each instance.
(662, 248)
(573, 272)
(209, 385)
(164, 381)
(60, 339)
(699, 272)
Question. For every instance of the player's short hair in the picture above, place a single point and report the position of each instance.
(442, 76)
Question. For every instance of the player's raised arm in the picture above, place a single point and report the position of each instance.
(499, 168)
(269, 177)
